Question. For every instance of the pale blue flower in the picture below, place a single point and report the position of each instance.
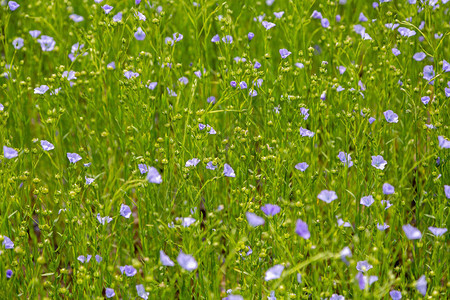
(153, 176)
(284, 53)
(141, 291)
(107, 8)
(228, 171)
(436, 231)
(89, 180)
(327, 196)
(165, 259)
(9, 153)
(192, 162)
(367, 200)
(109, 293)
(254, 220)
(13, 5)
(125, 211)
(395, 295)
(73, 157)
(302, 166)
(187, 261)
(421, 285)
(390, 116)
(139, 34)
(7, 243)
(411, 232)
(18, 43)
(274, 272)
(379, 162)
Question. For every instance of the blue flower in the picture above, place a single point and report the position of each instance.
(387, 203)
(396, 52)
(153, 176)
(302, 166)
(9, 153)
(411, 232)
(165, 259)
(76, 18)
(345, 158)
(421, 285)
(274, 272)
(388, 189)
(270, 209)
(73, 157)
(140, 16)
(210, 166)
(301, 228)
(128, 270)
(41, 90)
(436, 231)
(18, 43)
(215, 39)
(186, 222)
(103, 220)
(192, 162)
(130, 74)
(367, 200)
(34, 33)
(316, 15)
(152, 85)
(139, 34)
(284, 53)
(378, 162)
(278, 15)
(254, 220)
(390, 116)
(267, 25)
(125, 211)
(406, 32)
(228, 39)
(395, 295)
(325, 23)
(428, 73)
(107, 8)
(47, 43)
(89, 180)
(143, 168)
(363, 266)
(327, 196)
(13, 5)
(346, 252)
(117, 17)
(141, 291)
(361, 280)
(443, 142)
(362, 18)
(109, 293)
(187, 261)
(228, 171)
(419, 56)
(7, 243)
(306, 133)
(84, 259)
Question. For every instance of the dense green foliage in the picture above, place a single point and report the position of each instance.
(49, 210)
